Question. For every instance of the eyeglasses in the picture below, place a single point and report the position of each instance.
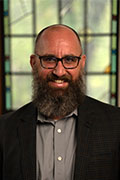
(51, 62)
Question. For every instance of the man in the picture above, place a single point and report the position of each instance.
(62, 134)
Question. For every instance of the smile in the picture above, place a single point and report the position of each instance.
(59, 81)
(58, 84)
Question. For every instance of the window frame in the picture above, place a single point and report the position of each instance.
(2, 57)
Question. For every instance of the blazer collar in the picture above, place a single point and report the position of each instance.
(85, 120)
(27, 136)
(29, 113)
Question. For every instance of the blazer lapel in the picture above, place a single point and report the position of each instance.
(27, 140)
(84, 123)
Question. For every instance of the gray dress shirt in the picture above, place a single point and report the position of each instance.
(56, 145)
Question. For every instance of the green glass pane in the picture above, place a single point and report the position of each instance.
(113, 101)
(21, 17)
(98, 87)
(46, 13)
(8, 81)
(114, 7)
(18, 9)
(114, 26)
(21, 49)
(83, 43)
(113, 83)
(98, 54)
(99, 16)
(6, 3)
(23, 26)
(7, 46)
(6, 26)
(7, 66)
(72, 13)
(113, 68)
(8, 100)
(21, 90)
(114, 42)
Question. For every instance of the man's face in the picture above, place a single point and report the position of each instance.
(59, 43)
(57, 92)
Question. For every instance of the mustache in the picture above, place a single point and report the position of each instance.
(53, 77)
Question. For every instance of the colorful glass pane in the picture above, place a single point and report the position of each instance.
(113, 68)
(7, 66)
(7, 46)
(95, 84)
(46, 13)
(72, 14)
(98, 16)
(21, 49)
(114, 52)
(8, 100)
(98, 54)
(21, 84)
(8, 92)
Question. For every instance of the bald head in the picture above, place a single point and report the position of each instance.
(58, 28)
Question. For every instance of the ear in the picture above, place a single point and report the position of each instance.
(32, 61)
(83, 60)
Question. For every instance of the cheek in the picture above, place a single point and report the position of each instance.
(75, 73)
(43, 72)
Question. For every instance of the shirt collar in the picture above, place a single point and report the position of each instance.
(43, 119)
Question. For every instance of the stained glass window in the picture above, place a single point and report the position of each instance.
(96, 21)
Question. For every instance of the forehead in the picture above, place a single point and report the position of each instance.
(58, 29)
(56, 36)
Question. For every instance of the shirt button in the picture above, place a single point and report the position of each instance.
(59, 130)
(59, 158)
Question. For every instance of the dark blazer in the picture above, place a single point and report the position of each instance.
(98, 143)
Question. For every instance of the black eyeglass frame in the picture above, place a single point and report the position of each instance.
(58, 59)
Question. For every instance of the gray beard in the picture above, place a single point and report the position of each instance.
(54, 103)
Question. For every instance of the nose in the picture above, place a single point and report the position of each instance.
(59, 70)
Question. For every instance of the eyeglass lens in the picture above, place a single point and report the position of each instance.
(51, 62)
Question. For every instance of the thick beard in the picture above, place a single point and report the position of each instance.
(54, 103)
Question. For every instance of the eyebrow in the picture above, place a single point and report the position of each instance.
(57, 57)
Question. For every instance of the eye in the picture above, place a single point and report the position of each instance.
(70, 59)
(49, 59)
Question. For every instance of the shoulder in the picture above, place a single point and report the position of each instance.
(10, 122)
(94, 102)
(21, 109)
(98, 107)
(101, 116)
(10, 117)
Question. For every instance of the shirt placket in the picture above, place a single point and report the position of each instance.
(59, 151)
